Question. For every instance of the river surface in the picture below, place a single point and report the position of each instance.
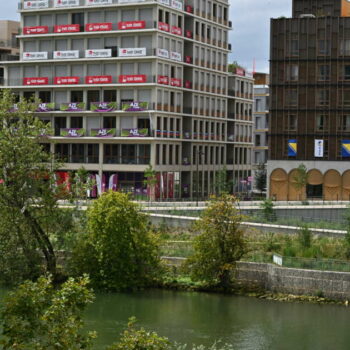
(201, 318)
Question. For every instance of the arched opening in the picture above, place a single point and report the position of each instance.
(332, 185)
(314, 187)
(346, 186)
(295, 193)
(279, 185)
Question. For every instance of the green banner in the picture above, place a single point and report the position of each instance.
(102, 132)
(72, 107)
(134, 132)
(72, 132)
(135, 106)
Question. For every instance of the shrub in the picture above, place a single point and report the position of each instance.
(305, 237)
(118, 251)
(267, 207)
(38, 317)
(220, 243)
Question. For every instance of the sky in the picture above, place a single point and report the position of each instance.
(251, 28)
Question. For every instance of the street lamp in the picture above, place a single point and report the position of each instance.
(199, 154)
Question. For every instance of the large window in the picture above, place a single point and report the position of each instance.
(322, 97)
(346, 97)
(292, 73)
(324, 47)
(344, 47)
(292, 122)
(344, 122)
(291, 97)
(323, 72)
(346, 72)
(321, 122)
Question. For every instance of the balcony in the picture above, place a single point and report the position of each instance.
(121, 27)
(103, 133)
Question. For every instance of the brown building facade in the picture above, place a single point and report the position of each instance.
(310, 101)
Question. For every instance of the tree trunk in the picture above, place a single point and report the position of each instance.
(44, 244)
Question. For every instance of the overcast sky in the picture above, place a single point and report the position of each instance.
(251, 27)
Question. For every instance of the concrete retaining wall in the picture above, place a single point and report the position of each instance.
(186, 222)
(333, 285)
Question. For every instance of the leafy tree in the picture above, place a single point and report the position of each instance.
(300, 179)
(118, 251)
(28, 195)
(260, 178)
(150, 181)
(140, 339)
(38, 317)
(268, 211)
(220, 243)
(232, 66)
(305, 237)
(222, 185)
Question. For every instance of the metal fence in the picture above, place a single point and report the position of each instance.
(313, 264)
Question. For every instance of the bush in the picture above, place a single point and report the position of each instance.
(38, 317)
(140, 339)
(118, 251)
(305, 237)
(219, 245)
(267, 207)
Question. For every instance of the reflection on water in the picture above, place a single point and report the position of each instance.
(200, 318)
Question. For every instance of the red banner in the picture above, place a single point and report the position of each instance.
(98, 79)
(131, 25)
(66, 80)
(140, 78)
(67, 28)
(163, 26)
(189, 34)
(188, 84)
(36, 30)
(35, 81)
(175, 82)
(176, 30)
(188, 59)
(189, 8)
(96, 27)
(163, 79)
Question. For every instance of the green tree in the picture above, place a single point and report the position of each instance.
(118, 251)
(36, 316)
(268, 211)
(300, 180)
(140, 339)
(222, 184)
(219, 245)
(260, 178)
(150, 181)
(28, 195)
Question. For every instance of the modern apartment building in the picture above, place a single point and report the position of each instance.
(310, 101)
(261, 120)
(240, 128)
(128, 83)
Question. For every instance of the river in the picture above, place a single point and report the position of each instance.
(201, 318)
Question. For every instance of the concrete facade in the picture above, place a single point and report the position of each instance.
(130, 83)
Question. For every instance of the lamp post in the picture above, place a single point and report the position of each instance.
(199, 154)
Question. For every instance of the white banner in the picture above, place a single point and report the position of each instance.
(98, 2)
(175, 56)
(62, 55)
(66, 3)
(129, 1)
(32, 56)
(132, 52)
(36, 4)
(164, 2)
(176, 4)
(163, 53)
(98, 53)
(319, 148)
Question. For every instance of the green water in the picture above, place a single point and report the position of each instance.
(200, 318)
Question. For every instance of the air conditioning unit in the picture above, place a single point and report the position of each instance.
(307, 15)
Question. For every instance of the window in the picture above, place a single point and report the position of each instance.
(294, 46)
(344, 124)
(346, 97)
(323, 72)
(291, 97)
(292, 72)
(321, 122)
(292, 122)
(345, 47)
(323, 47)
(322, 97)
(346, 72)
(257, 140)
